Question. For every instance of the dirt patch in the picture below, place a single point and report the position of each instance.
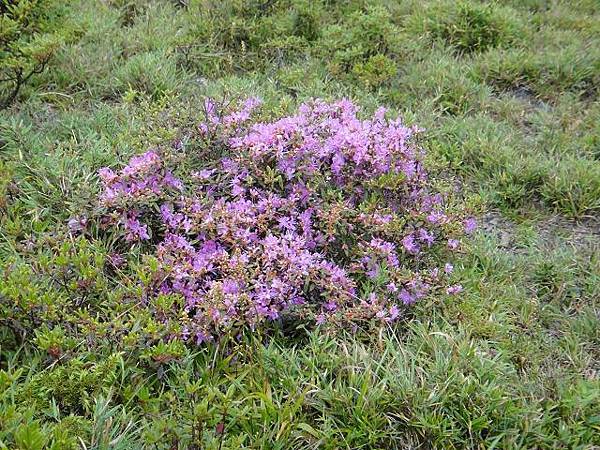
(553, 231)
(525, 94)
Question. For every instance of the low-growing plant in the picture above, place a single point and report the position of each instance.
(320, 215)
(510, 363)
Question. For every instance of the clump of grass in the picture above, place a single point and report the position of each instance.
(470, 27)
(547, 75)
(152, 75)
(441, 84)
(497, 157)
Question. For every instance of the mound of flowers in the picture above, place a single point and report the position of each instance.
(321, 214)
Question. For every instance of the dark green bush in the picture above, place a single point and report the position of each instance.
(306, 24)
(72, 384)
(361, 44)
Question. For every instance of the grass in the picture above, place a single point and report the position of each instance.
(508, 93)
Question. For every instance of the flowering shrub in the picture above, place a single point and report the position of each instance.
(320, 213)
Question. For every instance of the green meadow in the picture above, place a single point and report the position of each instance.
(508, 95)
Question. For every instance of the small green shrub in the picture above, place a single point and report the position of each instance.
(28, 40)
(72, 385)
(75, 290)
(375, 71)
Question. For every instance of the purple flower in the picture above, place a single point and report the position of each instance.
(107, 175)
(171, 181)
(204, 174)
(135, 230)
(394, 312)
(454, 289)
(77, 224)
(142, 163)
(410, 245)
(470, 225)
(116, 260)
(337, 163)
(426, 236)
(330, 305)
(406, 297)
(286, 224)
(436, 217)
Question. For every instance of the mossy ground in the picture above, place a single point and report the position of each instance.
(509, 95)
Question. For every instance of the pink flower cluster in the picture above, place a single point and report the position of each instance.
(322, 213)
